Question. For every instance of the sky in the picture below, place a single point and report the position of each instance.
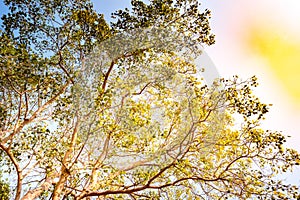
(260, 37)
(257, 37)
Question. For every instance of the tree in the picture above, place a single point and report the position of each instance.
(118, 111)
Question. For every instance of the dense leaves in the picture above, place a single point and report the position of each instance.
(4, 188)
(92, 110)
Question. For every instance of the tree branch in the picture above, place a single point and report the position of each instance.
(39, 110)
(18, 170)
(65, 171)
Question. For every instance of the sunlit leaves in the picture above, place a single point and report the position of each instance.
(183, 16)
(132, 119)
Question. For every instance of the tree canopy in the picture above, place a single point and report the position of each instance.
(120, 111)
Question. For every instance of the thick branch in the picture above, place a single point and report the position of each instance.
(107, 75)
(18, 170)
(137, 189)
(65, 171)
(33, 194)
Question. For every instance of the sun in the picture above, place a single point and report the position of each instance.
(281, 50)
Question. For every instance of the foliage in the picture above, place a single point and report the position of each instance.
(87, 111)
(4, 189)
